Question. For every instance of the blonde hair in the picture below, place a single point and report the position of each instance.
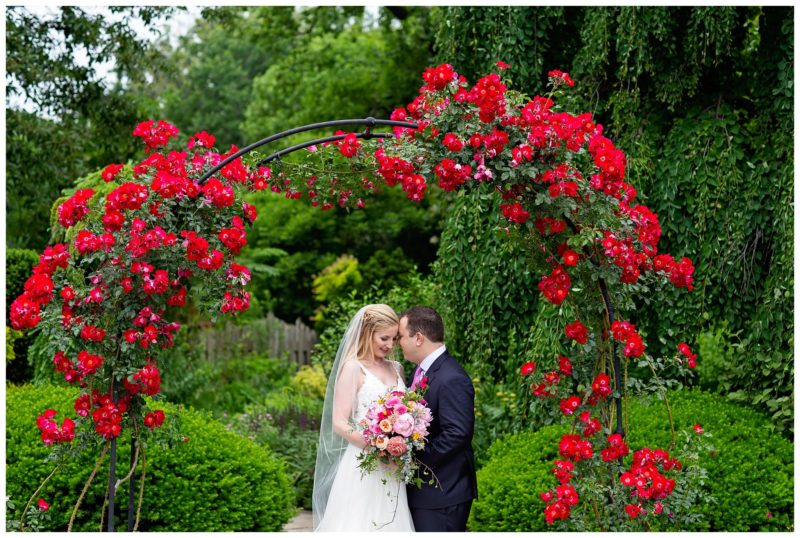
(376, 318)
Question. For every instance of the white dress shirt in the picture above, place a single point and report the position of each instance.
(428, 361)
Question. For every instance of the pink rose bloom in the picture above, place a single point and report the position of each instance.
(404, 425)
(396, 446)
(400, 409)
(425, 414)
(391, 402)
(421, 428)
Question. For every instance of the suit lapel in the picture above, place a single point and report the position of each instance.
(436, 366)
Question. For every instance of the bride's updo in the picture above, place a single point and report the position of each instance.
(376, 317)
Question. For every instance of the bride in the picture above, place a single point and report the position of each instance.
(343, 499)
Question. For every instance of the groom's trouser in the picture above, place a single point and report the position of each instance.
(447, 519)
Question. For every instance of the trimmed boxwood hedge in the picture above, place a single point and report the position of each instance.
(750, 474)
(217, 481)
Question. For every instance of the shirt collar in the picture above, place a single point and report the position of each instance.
(428, 361)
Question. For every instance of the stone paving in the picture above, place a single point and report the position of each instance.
(302, 522)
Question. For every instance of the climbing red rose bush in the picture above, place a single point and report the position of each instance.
(563, 194)
(106, 297)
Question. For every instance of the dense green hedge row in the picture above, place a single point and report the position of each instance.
(750, 472)
(216, 481)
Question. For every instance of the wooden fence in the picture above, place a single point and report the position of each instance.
(269, 336)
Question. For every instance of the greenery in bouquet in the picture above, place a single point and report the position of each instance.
(395, 427)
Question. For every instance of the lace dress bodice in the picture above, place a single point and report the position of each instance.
(372, 389)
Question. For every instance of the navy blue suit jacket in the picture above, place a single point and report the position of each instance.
(451, 399)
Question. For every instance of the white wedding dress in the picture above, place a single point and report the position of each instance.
(372, 502)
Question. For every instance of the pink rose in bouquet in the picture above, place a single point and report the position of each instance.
(394, 428)
(404, 425)
(396, 446)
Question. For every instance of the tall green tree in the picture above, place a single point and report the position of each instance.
(357, 68)
(64, 116)
(217, 61)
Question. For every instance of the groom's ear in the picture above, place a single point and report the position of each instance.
(419, 338)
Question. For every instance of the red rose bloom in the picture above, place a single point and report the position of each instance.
(570, 258)
(527, 368)
(111, 171)
(576, 331)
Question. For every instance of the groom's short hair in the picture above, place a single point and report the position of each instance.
(425, 320)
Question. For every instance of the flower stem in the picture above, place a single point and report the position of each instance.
(35, 493)
(141, 492)
(130, 472)
(669, 411)
(86, 487)
(103, 509)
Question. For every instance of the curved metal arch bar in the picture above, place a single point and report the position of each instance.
(617, 365)
(369, 122)
(281, 153)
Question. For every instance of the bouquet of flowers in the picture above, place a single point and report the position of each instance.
(395, 427)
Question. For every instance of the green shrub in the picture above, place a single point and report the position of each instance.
(19, 263)
(288, 423)
(237, 382)
(310, 381)
(509, 484)
(216, 481)
(750, 473)
(11, 336)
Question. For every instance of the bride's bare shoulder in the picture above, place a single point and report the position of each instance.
(351, 367)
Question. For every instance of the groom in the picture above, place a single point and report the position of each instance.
(448, 453)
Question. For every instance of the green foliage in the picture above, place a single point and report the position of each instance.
(417, 291)
(749, 472)
(720, 362)
(531, 40)
(509, 484)
(309, 381)
(506, 405)
(287, 421)
(240, 381)
(339, 66)
(19, 263)
(218, 58)
(81, 120)
(246, 485)
(185, 371)
(337, 278)
(487, 285)
(387, 269)
(699, 99)
(388, 237)
(11, 336)
(334, 76)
